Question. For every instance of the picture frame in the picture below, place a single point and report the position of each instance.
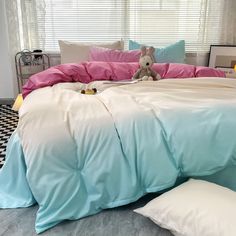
(223, 57)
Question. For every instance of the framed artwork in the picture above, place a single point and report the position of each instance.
(223, 57)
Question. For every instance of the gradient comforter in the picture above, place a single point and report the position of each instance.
(84, 153)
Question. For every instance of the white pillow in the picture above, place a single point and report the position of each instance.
(195, 208)
(75, 52)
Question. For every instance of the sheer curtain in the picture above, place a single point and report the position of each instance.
(217, 23)
(26, 24)
(228, 22)
(32, 23)
(13, 34)
(24, 29)
(210, 18)
(13, 25)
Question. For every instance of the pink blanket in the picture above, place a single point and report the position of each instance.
(90, 71)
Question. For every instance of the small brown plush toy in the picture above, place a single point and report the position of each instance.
(146, 60)
(89, 91)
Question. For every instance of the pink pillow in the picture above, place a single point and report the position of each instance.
(111, 55)
(160, 68)
(202, 71)
(176, 70)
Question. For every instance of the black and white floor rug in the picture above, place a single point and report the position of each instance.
(8, 123)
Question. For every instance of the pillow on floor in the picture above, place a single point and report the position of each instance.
(195, 208)
(174, 53)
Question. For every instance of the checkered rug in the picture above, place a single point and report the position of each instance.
(8, 123)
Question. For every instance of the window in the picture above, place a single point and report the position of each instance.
(155, 22)
(83, 20)
(162, 22)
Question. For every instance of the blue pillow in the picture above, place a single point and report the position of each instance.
(174, 53)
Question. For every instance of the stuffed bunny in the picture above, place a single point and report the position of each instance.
(146, 60)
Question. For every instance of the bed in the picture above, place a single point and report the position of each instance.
(76, 154)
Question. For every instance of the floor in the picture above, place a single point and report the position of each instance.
(121, 221)
(8, 123)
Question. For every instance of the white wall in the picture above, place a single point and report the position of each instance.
(7, 75)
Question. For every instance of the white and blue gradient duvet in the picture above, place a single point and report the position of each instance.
(76, 154)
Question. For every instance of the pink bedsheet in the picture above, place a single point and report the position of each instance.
(86, 72)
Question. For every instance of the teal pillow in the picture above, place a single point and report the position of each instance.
(174, 53)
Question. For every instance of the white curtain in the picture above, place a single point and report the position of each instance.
(14, 45)
(13, 25)
(24, 31)
(228, 22)
(33, 23)
(25, 21)
(217, 21)
(210, 24)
